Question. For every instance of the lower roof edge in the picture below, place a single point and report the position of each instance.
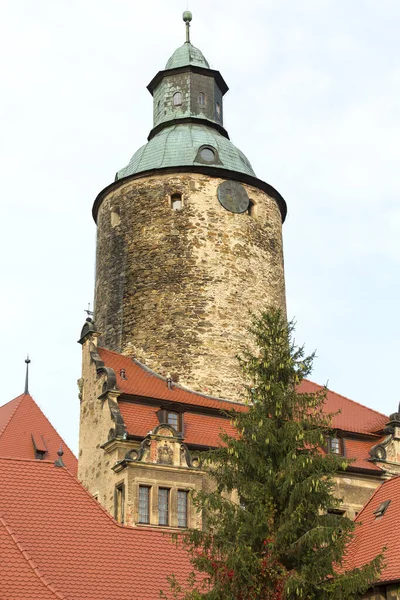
(206, 170)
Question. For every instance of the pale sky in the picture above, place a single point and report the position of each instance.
(313, 103)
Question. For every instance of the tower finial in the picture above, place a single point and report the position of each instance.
(187, 17)
(27, 361)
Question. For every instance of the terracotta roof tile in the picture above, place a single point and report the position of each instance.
(78, 547)
(374, 533)
(141, 381)
(19, 420)
(359, 449)
(200, 429)
(353, 416)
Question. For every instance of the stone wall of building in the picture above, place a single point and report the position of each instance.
(174, 287)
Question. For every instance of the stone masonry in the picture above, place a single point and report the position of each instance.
(174, 288)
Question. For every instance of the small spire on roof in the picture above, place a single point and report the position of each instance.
(59, 461)
(187, 17)
(88, 311)
(27, 361)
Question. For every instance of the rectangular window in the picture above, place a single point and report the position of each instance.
(119, 502)
(163, 506)
(182, 508)
(144, 504)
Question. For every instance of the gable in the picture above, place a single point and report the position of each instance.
(27, 428)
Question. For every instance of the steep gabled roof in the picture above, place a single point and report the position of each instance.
(140, 381)
(81, 551)
(23, 424)
(353, 417)
(376, 532)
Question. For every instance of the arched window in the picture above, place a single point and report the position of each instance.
(202, 99)
(176, 201)
(177, 99)
(218, 109)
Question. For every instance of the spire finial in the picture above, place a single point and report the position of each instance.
(59, 461)
(27, 361)
(187, 17)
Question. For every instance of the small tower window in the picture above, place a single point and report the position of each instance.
(176, 201)
(218, 109)
(208, 154)
(250, 208)
(177, 99)
(202, 99)
(115, 217)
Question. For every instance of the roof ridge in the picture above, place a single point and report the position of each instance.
(31, 562)
(177, 385)
(17, 404)
(349, 399)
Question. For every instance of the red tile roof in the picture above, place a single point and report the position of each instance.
(19, 420)
(141, 381)
(359, 449)
(353, 416)
(373, 533)
(82, 553)
(200, 429)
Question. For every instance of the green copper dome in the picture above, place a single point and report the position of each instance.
(187, 144)
(187, 55)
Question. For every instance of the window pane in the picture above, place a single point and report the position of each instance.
(182, 508)
(177, 99)
(202, 98)
(119, 503)
(173, 419)
(144, 504)
(335, 446)
(163, 506)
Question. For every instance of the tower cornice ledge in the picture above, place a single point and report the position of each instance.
(194, 120)
(206, 170)
(189, 69)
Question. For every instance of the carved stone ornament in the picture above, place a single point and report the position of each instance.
(165, 454)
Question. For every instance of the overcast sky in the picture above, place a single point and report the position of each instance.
(313, 103)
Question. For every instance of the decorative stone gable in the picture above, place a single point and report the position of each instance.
(161, 447)
(386, 454)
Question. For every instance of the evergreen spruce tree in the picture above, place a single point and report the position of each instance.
(269, 530)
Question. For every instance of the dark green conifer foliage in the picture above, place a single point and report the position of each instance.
(281, 541)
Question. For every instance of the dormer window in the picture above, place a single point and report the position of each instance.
(202, 99)
(380, 511)
(176, 201)
(177, 99)
(173, 419)
(335, 445)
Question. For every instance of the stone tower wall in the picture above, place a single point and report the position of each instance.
(174, 288)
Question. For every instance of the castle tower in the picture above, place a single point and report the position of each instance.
(189, 239)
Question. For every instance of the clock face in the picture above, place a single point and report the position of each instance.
(233, 196)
